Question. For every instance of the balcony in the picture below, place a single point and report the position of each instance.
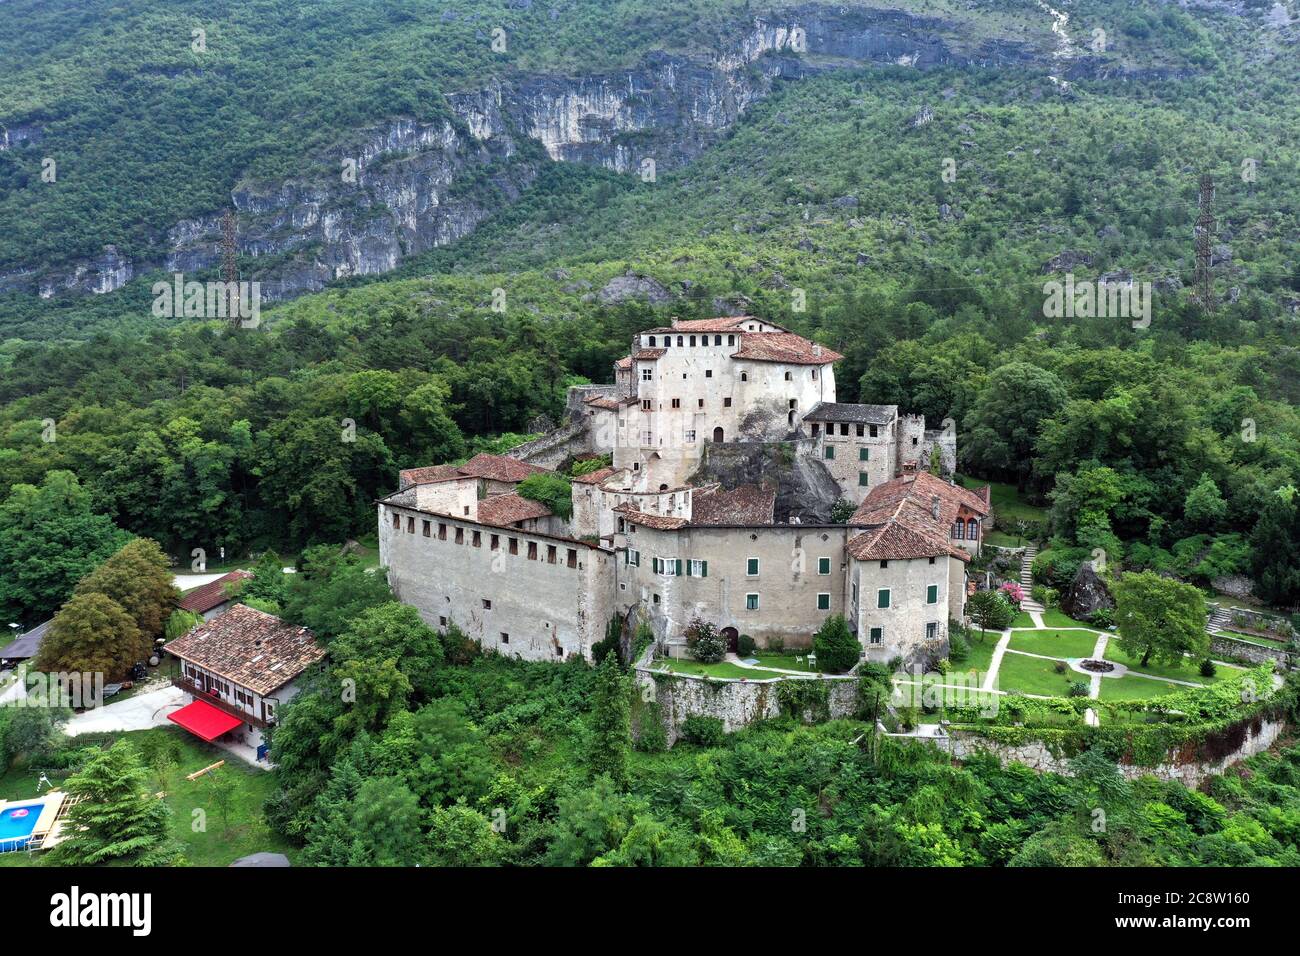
(210, 698)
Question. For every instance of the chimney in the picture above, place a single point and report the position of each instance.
(934, 506)
(817, 350)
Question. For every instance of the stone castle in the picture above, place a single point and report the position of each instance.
(728, 451)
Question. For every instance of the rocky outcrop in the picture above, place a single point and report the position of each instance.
(1086, 594)
(805, 490)
(622, 288)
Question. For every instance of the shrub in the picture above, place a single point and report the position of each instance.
(703, 731)
(1103, 617)
(549, 489)
(1078, 688)
(836, 646)
(1208, 669)
(745, 645)
(704, 642)
(1060, 667)
(958, 649)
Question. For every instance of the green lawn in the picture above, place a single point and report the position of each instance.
(1130, 687)
(1008, 505)
(1053, 617)
(1190, 671)
(1022, 619)
(1257, 639)
(1054, 643)
(1033, 675)
(978, 659)
(783, 661)
(720, 669)
(222, 842)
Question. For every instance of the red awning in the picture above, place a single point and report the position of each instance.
(204, 720)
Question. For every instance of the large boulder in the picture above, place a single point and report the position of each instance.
(1086, 594)
(630, 286)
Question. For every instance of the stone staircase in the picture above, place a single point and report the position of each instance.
(1027, 579)
(1219, 620)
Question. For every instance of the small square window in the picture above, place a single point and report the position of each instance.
(823, 602)
(505, 638)
(863, 479)
(726, 402)
(882, 598)
(877, 635)
(751, 568)
(830, 452)
(751, 602)
(487, 604)
(823, 565)
(932, 594)
(708, 373)
(864, 454)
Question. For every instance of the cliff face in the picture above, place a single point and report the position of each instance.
(421, 185)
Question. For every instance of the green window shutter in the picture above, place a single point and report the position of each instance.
(830, 452)
(654, 565)
(679, 567)
(688, 569)
(704, 569)
(823, 602)
(864, 454)
(862, 479)
(823, 565)
(751, 567)
(932, 594)
(882, 598)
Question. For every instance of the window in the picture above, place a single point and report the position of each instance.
(913, 441)
(494, 542)
(972, 529)
(884, 564)
(844, 430)
(550, 554)
(669, 567)
(816, 429)
(689, 434)
(442, 531)
(864, 454)
(692, 341)
(717, 340)
(487, 604)
(700, 403)
(932, 560)
(514, 545)
(559, 652)
(426, 528)
(726, 402)
(877, 635)
(677, 403)
(652, 340)
(744, 376)
(882, 597)
(477, 540)
(857, 430)
(708, 373)
(397, 520)
(460, 535)
(814, 375)
(823, 602)
(959, 529)
(572, 558)
(697, 569)
(532, 550)
(647, 373)
(873, 431)
(751, 602)
(647, 438)
(863, 479)
(410, 526)
(823, 565)
(830, 451)
(751, 568)
(679, 341)
(932, 594)
(633, 557)
(505, 638)
(645, 404)
(731, 340)
(931, 630)
(442, 621)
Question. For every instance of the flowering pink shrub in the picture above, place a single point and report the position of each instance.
(1014, 592)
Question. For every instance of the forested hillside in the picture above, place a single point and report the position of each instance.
(825, 207)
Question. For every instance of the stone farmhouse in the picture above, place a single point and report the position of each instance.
(728, 448)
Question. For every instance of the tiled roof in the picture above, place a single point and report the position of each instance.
(658, 522)
(499, 468)
(427, 476)
(505, 510)
(785, 347)
(204, 598)
(604, 401)
(883, 500)
(593, 477)
(849, 413)
(255, 650)
(724, 323)
(624, 362)
(745, 505)
(900, 539)
(648, 355)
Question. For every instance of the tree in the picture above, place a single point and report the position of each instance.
(1160, 618)
(1003, 426)
(117, 819)
(836, 646)
(389, 631)
(990, 610)
(92, 634)
(460, 836)
(331, 590)
(611, 721)
(139, 578)
(49, 539)
(386, 825)
(221, 789)
(549, 489)
(1204, 506)
(1275, 549)
(704, 642)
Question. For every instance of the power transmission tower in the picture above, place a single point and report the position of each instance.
(1204, 243)
(229, 269)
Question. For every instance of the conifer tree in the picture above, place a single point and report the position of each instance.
(611, 717)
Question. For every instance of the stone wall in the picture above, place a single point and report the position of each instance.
(1223, 646)
(1259, 736)
(736, 703)
(553, 448)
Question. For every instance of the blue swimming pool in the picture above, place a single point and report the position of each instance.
(16, 824)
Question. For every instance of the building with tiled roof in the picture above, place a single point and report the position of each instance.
(746, 505)
(511, 511)
(237, 670)
(214, 597)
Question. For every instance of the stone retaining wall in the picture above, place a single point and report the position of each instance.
(1223, 646)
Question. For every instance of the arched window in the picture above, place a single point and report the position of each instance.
(959, 529)
(652, 341)
(972, 531)
(679, 341)
(744, 376)
(692, 341)
(717, 435)
(787, 376)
